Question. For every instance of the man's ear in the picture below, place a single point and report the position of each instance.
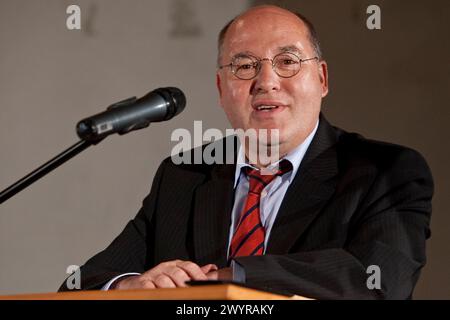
(323, 74)
(219, 87)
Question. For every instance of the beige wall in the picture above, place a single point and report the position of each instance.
(390, 85)
(49, 79)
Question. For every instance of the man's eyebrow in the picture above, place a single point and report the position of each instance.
(283, 49)
(243, 54)
(291, 48)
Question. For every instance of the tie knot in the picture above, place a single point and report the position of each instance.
(259, 179)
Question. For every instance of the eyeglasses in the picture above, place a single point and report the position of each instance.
(285, 64)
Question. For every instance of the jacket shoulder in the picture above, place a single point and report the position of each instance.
(354, 150)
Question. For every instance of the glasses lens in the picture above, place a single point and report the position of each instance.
(286, 65)
(245, 67)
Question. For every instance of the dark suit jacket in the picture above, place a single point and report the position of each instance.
(354, 203)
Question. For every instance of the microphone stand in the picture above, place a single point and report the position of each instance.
(46, 168)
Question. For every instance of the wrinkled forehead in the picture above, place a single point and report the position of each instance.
(265, 34)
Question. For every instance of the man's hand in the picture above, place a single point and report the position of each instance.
(221, 274)
(170, 274)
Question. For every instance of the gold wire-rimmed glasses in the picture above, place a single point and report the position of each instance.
(247, 67)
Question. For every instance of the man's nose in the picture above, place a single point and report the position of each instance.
(267, 80)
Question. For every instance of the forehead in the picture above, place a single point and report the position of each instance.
(266, 32)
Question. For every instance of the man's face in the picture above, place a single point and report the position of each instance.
(264, 33)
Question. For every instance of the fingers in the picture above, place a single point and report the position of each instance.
(178, 277)
(209, 268)
(221, 274)
(147, 284)
(170, 274)
(213, 275)
(176, 273)
(164, 281)
(133, 282)
(193, 270)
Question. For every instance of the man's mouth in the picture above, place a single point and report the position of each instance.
(266, 107)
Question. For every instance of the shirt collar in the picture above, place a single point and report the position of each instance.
(295, 157)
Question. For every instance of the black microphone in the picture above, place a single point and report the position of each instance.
(132, 114)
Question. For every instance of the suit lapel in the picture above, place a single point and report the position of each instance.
(310, 190)
(212, 216)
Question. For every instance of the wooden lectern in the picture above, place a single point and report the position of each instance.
(204, 292)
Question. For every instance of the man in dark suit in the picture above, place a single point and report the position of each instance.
(336, 206)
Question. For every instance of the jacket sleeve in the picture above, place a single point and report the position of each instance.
(389, 231)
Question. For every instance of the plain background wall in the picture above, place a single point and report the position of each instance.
(390, 84)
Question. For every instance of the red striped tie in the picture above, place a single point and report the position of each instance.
(249, 236)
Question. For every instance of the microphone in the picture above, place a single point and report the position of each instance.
(133, 114)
